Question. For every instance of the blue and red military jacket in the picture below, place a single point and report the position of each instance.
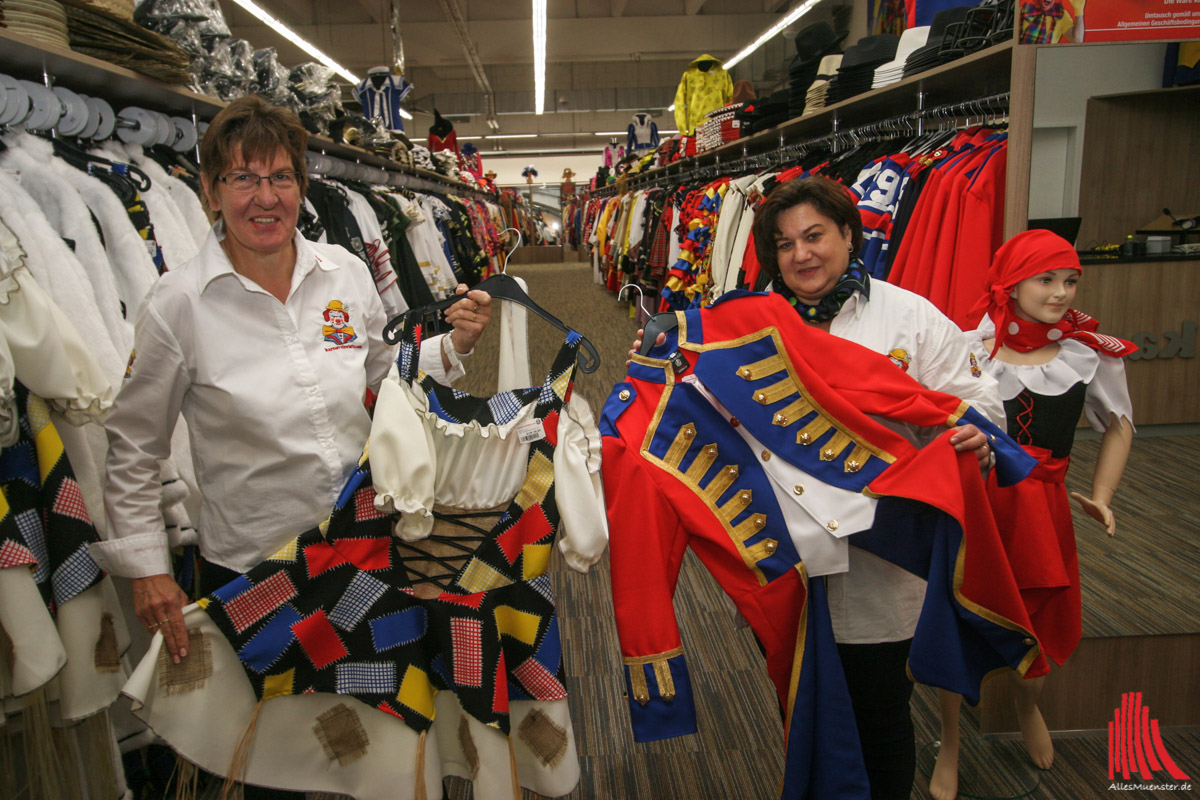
(677, 474)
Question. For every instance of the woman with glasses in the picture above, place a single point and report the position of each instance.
(268, 345)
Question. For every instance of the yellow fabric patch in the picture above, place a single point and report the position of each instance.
(287, 553)
(537, 481)
(45, 436)
(203, 602)
(520, 625)
(38, 413)
(479, 577)
(417, 692)
(278, 685)
(560, 384)
(536, 559)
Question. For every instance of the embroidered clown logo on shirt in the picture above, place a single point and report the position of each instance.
(337, 329)
(129, 366)
(900, 358)
(975, 370)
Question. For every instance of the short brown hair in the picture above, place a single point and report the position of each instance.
(829, 198)
(260, 129)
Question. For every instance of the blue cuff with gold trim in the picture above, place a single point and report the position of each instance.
(660, 699)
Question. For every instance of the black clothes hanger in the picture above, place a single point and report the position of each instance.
(500, 285)
(660, 323)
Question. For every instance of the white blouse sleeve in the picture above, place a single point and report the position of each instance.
(577, 489)
(1108, 395)
(403, 469)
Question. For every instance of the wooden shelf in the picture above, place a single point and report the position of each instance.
(31, 60)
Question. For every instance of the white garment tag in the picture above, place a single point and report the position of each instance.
(531, 432)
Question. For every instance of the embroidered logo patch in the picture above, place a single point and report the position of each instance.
(337, 329)
(129, 366)
(975, 370)
(900, 358)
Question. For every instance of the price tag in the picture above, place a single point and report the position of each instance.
(531, 432)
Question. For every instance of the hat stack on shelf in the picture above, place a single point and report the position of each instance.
(720, 126)
(812, 45)
(939, 44)
(815, 99)
(106, 30)
(857, 71)
(911, 40)
(43, 20)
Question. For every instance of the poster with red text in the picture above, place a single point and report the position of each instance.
(1078, 21)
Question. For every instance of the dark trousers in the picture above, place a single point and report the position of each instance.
(212, 577)
(880, 692)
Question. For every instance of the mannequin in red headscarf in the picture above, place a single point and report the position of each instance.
(1052, 366)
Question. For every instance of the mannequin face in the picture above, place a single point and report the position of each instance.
(812, 252)
(1046, 297)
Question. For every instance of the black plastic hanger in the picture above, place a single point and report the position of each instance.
(660, 323)
(506, 288)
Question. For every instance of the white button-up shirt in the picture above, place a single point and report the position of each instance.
(272, 393)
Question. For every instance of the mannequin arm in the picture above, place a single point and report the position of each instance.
(1110, 466)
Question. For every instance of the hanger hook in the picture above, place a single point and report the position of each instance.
(641, 296)
(507, 255)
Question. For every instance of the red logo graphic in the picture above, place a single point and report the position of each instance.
(1134, 743)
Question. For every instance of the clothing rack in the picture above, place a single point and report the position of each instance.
(984, 110)
(322, 165)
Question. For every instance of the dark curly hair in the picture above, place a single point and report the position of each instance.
(829, 198)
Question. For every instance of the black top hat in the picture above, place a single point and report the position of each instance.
(816, 40)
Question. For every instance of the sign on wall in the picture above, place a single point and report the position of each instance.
(1053, 21)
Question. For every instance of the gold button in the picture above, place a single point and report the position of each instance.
(688, 433)
(827, 454)
(734, 421)
(745, 496)
(711, 450)
(832, 524)
(798, 489)
(772, 546)
(761, 397)
(732, 469)
(766, 455)
(642, 698)
(760, 522)
(780, 419)
(804, 438)
(744, 372)
(624, 395)
(853, 466)
(992, 436)
(1030, 641)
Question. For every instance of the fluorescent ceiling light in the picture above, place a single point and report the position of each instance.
(468, 138)
(303, 44)
(793, 15)
(512, 136)
(539, 56)
(405, 114)
(671, 107)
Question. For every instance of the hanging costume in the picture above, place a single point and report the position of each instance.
(711, 441)
(642, 134)
(444, 648)
(1043, 403)
(704, 87)
(380, 95)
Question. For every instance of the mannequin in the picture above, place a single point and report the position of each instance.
(442, 135)
(642, 134)
(1029, 335)
(614, 152)
(380, 95)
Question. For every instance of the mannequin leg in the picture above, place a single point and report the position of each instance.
(943, 785)
(1033, 727)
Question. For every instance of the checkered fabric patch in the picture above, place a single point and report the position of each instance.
(69, 502)
(76, 572)
(538, 681)
(541, 585)
(255, 603)
(366, 677)
(459, 394)
(29, 523)
(360, 595)
(364, 505)
(468, 651)
(15, 555)
(408, 357)
(287, 553)
(505, 407)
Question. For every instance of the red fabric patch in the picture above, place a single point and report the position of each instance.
(551, 426)
(253, 604)
(539, 681)
(319, 640)
(69, 502)
(500, 698)
(531, 527)
(468, 651)
(472, 600)
(388, 708)
(320, 557)
(367, 554)
(15, 555)
(364, 505)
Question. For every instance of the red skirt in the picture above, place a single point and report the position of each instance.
(1034, 519)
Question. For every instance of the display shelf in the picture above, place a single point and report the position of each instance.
(30, 60)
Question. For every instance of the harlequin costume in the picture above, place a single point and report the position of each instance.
(739, 437)
(1043, 403)
(390, 664)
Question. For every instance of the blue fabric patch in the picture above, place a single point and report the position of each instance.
(77, 572)
(357, 600)
(549, 654)
(401, 628)
(270, 643)
(365, 677)
(232, 589)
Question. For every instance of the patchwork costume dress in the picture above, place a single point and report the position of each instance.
(414, 635)
(753, 440)
(1043, 402)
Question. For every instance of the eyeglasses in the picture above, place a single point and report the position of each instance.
(249, 182)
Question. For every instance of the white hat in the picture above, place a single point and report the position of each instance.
(911, 40)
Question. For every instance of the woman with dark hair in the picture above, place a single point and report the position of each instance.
(805, 236)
